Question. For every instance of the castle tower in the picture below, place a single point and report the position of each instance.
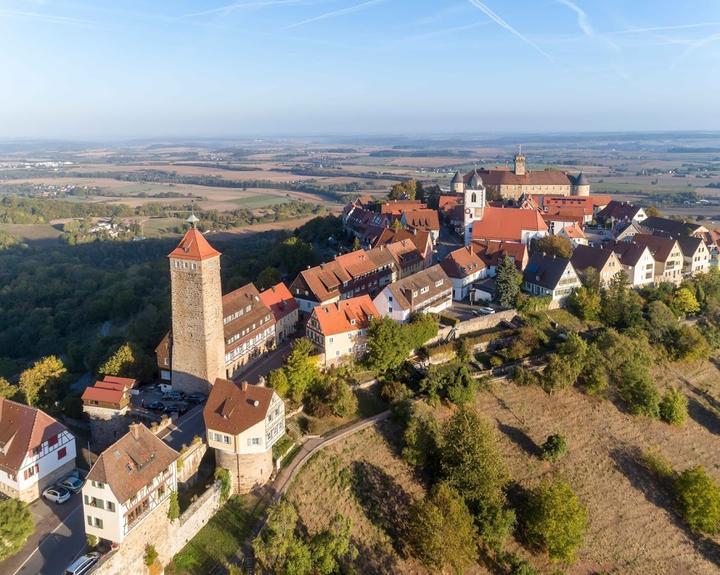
(457, 185)
(581, 185)
(198, 341)
(474, 204)
(519, 162)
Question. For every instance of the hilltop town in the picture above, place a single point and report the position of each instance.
(486, 347)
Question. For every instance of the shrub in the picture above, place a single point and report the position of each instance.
(496, 361)
(674, 407)
(523, 376)
(555, 520)
(395, 392)
(698, 500)
(638, 391)
(174, 509)
(554, 447)
(516, 565)
(150, 555)
(223, 476)
(16, 525)
(91, 541)
(657, 463)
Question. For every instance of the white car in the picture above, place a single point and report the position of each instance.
(72, 483)
(57, 494)
(486, 310)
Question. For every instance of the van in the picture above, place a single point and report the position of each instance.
(83, 565)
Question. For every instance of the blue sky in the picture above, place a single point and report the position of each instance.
(97, 68)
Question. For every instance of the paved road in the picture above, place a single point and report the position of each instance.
(58, 539)
(265, 364)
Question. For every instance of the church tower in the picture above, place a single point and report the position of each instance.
(198, 340)
(474, 204)
(457, 185)
(519, 162)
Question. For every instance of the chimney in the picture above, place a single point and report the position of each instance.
(135, 430)
(244, 386)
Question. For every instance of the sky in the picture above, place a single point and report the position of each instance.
(79, 69)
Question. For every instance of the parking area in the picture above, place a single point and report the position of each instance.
(465, 311)
(151, 401)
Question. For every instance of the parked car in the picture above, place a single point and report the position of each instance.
(179, 408)
(173, 396)
(155, 406)
(72, 483)
(82, 565)
(486, 310)
(57, 494)
(196, 397)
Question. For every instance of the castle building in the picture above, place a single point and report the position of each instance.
(197, 350)
(243, 422)
(511, 184)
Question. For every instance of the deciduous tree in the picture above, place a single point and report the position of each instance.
(16, 525)
(441, 531)
(36, 380)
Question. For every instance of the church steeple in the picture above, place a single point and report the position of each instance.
(519, 163)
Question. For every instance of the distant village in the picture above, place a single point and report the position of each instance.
(412, 259)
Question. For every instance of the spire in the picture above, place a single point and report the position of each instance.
(194, 246)
(192, 218)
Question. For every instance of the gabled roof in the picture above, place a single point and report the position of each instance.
(659, 246)
(584, 257)
(279, 299)
(573, 231)
(507, 224)
(531, 178)
(616, 210)
(462, 263)
(22, 428)
(420, 238)
(689, 244)
(126, 382)
(492, 253)
(235, 407)
(194, 246)
(629, 253)
(239, 301)
(103, 395)
(670, 227)
(426, 219)
(407, 291)
(346, 315)
(397, 207)
(132, 462)
(545, 271)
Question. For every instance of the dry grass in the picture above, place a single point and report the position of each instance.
(632, 530)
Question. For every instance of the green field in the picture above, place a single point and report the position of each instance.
(32, 232)
(260, 201)
(158, 227)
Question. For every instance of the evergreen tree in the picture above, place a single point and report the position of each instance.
(508, 281)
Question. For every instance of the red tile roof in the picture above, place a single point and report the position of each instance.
(507, 224)
(426, 220)
(462, 263)
(22, 428)
(235, 407)
(126, 382)
(346, 315)
(279, 299)
(574, 232)
(132, 462)
(493, 252)
(593, 201)
(505, 177)
(194, 246)
(103, 395)
(397, 207)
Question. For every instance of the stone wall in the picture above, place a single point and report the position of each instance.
(167, 537)
(246, 471)
(484, 321)
(190, 460)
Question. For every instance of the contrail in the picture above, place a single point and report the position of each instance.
(665, 28)
(583, 20)
(502, 23)
(335, 13)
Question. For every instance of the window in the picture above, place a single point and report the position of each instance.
(98, 523)
(53, 440)
(62, 452)
(98, 484)
(89, 520)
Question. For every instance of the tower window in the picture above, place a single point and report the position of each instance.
(473, 198)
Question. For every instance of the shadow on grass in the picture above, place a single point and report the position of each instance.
(704, 416)
(375, 559)
(521, 439)
(384, 502)
(658, 492)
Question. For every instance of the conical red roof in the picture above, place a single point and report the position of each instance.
(194, 246)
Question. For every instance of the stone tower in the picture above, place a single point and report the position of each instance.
(581, 185)
(198, 341)
(474, 203)
(519, 162)
(457, 185)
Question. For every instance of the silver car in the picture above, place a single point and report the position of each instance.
(72, 483)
